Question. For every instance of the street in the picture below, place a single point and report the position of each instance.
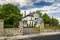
(51, 37)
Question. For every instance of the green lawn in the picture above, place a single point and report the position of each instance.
(36, 28)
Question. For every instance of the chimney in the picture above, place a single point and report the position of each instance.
(24, 13)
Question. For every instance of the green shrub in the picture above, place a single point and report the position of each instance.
(8, 26)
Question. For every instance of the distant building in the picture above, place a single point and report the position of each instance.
(31, 19)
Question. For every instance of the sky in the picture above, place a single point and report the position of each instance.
(51, 7)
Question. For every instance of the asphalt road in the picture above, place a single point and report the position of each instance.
(51, 37)
(27, 31)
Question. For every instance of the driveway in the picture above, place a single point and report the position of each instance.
(30, 31)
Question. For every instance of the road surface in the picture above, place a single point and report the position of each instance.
(51, 37)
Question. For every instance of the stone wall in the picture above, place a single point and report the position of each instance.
(10, 31)
(1, 26)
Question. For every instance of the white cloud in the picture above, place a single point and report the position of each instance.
(54, 8)
(27, 2)
(49, 0)
(6, 1)
(50, 9)
(21, 2)
(24, 2)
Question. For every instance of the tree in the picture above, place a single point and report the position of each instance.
(11, 15)
(39, 13)
(51, 21)
(54, 22)
(46, 18)
(1, 13)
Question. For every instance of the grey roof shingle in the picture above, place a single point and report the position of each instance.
(30, 14)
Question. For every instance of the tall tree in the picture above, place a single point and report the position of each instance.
(54, 22)
(46, 18)
(1, 13)
(11, 14)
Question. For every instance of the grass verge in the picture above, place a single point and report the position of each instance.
(36, 28)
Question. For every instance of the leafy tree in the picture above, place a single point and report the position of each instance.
(11, 15)
(39, 13)
(46, 18)
(34, 12)
(1, 13)
(51, 21)
(54, 21)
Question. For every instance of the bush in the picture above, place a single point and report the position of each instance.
(11, 26)
(8, 26)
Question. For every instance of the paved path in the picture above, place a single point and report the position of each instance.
(30, 31)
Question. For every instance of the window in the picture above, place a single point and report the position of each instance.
(31, 18)
(36, 18)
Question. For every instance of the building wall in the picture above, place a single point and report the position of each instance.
(36, 15)
(30, 20)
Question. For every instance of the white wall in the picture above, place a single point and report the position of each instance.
(29, 21)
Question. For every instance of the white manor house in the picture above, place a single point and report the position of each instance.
(31, 19)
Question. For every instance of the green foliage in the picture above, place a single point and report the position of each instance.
(46, 19)
(38, 12)
(1, 13)
(11, 14)
(51, 21)
(54, 21)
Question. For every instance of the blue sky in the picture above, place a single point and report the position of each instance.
(51, 7)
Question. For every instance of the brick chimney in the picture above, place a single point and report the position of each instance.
(24, 13)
